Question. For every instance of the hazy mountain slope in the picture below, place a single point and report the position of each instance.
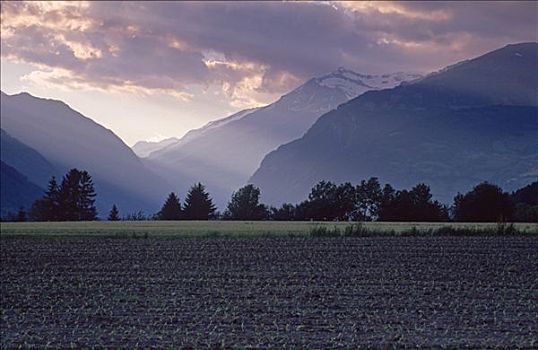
(25, 160)
(67, 139)
(195, 133)
(223, 157)
(16, 191)
(474, 121)
(144, 148)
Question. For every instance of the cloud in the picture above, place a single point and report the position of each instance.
(252, 51)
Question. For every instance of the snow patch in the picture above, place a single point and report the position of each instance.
(353, 84)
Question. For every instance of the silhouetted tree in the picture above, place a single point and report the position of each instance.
(485, 203)
(86, 203)
(285, 213)
(527, 194)
(526, 213)
(198, 204)
(368, 199)
(77, 197)
(245, 205)
(47, 208)
(302, 211)
(171, 209)
(328, 201)
(114, 214)
(73, 200)
(413, 205)
(139, 216)
(40, 210)
(526, 203)
(321, 200)
(344, 202)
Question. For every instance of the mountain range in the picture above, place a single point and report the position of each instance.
(43, 138)
(225, 153)
(145, 148)
(16, 191)
(474, 121)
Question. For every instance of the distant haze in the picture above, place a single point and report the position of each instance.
(225, 153)
(154, 70)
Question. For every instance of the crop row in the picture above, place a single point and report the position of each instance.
(405, 291)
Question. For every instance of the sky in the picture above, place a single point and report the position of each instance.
(152, 70)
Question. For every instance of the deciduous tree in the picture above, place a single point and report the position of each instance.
(245, 205)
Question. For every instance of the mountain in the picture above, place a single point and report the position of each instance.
(195, 133)
(25, 160)
(225, 153)
(16, 191)
(67, 139)
(473, 121)
(144, 148)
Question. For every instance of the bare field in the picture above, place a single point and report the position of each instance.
(244, 229)
(453, 292)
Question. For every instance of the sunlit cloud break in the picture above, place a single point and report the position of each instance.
(252, 52)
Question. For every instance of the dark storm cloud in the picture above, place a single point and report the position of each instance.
(251, 47)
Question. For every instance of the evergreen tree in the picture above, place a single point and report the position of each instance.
(52, 196)
(48, 208)
(114, 214)
(171, 209)
(86, 203)
(245, 205)
(69, 196)
(73, 200)
(198, 204)
(77, 197)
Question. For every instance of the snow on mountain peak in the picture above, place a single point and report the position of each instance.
(353, 84)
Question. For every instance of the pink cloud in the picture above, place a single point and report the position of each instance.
(253, 51)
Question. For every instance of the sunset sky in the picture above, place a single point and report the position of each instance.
(150, 70)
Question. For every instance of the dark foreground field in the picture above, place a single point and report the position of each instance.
(271, 292)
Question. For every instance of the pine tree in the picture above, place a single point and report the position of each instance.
(171, 209)
(77, 197)
(48, 208)
(86, 202)
(69, 195)
(114, 214)
(198, 204)
(53, 200)
(73, 200)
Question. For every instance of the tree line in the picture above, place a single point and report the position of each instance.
(74, 200)
(71, 200)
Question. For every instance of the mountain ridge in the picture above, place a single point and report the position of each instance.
(67, 139)
(388, 133)
(225, 157)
